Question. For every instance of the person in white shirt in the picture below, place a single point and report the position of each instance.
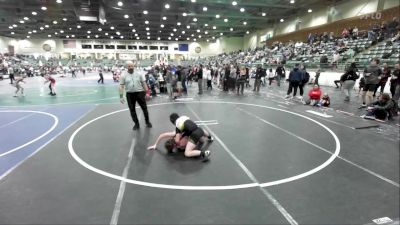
(270, 76)
(209, 79)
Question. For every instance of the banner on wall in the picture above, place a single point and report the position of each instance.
(69, 43)
(11, 49)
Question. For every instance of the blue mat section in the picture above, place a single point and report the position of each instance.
(18, 128)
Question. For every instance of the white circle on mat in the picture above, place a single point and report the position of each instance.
(55, 123)
(220, 187)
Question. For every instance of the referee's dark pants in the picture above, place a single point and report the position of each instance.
(132, 98)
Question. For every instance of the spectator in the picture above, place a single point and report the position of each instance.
(393, 26)
(325, 101)
(257, 81)
(395, 83)
(382, 82)
(295, 77)
(199, 75)
(372, 76)
(279, 74)
(270, 76)
(349, 79)
(240, 80)
(384, 108)
(314, 95)
(317, 74)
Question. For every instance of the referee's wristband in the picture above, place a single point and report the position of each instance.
(121, 96)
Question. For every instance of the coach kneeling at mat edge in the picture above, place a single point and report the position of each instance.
(136, 88)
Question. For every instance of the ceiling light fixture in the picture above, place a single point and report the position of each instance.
(146, 22)
(89, 31)
(26, 18)
(133, 30)
(214, 27)
(112, 28)
(194, 19)
(164, 18)
(225, 20)
(34, 31)
(147, 28)
(79, 26)
(29, 32)
(130, 24)
(217, 16)
(106, 34)
(49, 35)
(145, 12)
(59, 1)
(120, 3)
(291, 1)
(28, 36)
(15, 25)
(73, 35)
(126, 16)
(65, 19)
(162, 25)
(282, 20)
(55, 22)
(178, 23)
(21, 21)
(61, 31)
(184, 14)
(247, 32)
(231, 29)
(193, 0)
(205, 9)
(241, 9)
(47, 26)
(44, 8)
(34, 13)
(263, 14)
(41, 28)
(100, 29)
(244, 23)
(309, 10)
(167, 6)
(188, 27)
(234, 3)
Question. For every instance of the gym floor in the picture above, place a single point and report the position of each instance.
(74, 159)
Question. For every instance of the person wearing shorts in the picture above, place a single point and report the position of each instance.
(187, 128)
(372, 76)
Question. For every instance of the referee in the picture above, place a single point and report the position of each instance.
(136, 88)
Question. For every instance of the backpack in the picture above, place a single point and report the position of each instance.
(306, 77)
